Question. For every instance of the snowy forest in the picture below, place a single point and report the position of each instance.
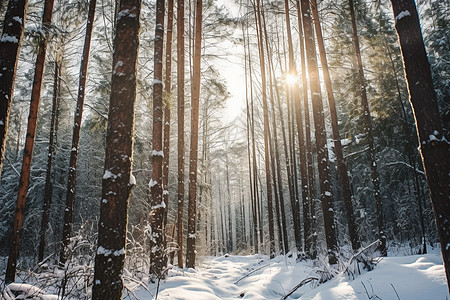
(224, 149)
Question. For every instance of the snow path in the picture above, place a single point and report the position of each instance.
(216, 278)
(411, 277)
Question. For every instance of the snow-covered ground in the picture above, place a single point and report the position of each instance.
(413, 277)
(418, 277)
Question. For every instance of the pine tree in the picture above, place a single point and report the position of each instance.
(167, 112)
(295, 92)
(320, 133)
(158, 205)
(117, 179)
(342, 167)
(29, 145)
(180, 126)
(193, 154)
(71, 183)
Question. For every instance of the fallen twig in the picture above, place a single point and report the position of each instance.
(255, 270)
(304, 281)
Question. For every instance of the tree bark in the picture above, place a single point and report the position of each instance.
(117, 179)
(255, 201)
(253, 238)
(320, 133)
(434, 148)
(29, 145)
(158, 205)
(9, 55)
(167, 111)
(310, 243)
(193, 155)
(72, 178)
(180, 127)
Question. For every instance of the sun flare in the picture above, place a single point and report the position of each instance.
(291, 79)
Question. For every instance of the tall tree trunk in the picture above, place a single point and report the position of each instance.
(167, 110)
(368, 129)
(320, 133)
(248, 124)
(180, 127)
(266, 132)
(342, 167)
(256, 224)
(434, 148)
(29, 145)
(158, 205)
(48, 189)
(13, 26)
(228, 202)
(310, 243)
(70, 195)
(299, 119)
(277, 189)
(117, 179)
(19, 133)
(193, 155)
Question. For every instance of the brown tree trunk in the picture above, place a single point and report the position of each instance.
(71, 183)
(180, 128)
(13, 26)
(48, 189)
(266, 132)
(273, 146)
(434, 148)
(310, 243)
(158, 205)
(256, 224)
(253, 238)
(29, 145)
(320, 133)
(299, 119)
(117, 179)
(193, 155)
(167, 109)
(229, 240)
(342, 167)
(368, 129)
